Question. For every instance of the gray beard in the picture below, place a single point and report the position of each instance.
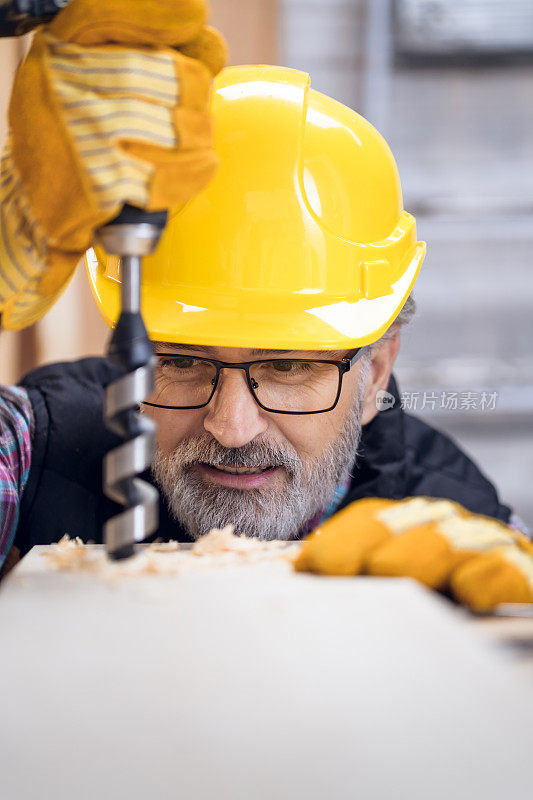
(268, 513)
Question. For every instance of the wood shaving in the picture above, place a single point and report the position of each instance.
(163, 547)
(218, 548)
(225, 540)
(70, 554)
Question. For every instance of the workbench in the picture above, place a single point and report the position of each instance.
(256, 682)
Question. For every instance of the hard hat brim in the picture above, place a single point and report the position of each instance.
(319, 323)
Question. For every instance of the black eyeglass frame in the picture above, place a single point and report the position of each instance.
(343, 366)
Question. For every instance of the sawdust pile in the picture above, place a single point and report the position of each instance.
(218, 548)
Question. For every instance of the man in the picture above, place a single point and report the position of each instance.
(275, 302)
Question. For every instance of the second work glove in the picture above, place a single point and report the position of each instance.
(481, 561)
(109, 107)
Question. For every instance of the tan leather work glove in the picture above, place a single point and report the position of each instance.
(109, 107)
(439, 543)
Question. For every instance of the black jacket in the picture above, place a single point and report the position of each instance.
(400, 456)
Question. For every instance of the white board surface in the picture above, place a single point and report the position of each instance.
(255, 683)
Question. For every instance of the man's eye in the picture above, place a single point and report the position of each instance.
(283, 366)
(291, 367)
(184, 362)
(180, 362)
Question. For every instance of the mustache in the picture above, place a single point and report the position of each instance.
(252, 455)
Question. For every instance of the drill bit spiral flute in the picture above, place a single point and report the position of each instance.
(132, 235)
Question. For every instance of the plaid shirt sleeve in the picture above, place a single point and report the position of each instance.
(16, 428)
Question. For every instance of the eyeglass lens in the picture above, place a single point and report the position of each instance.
(280, 385)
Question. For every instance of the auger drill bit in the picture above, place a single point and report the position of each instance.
(132, 235)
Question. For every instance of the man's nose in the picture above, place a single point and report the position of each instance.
(233, 417)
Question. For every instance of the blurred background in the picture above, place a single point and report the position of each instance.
(450, 85)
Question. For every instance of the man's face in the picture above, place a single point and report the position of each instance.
(269, 474)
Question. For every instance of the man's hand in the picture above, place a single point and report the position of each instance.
(481, 561)
(109, 107)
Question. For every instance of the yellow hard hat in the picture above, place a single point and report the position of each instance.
(299, 242)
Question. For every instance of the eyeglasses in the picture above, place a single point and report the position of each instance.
(282, 386)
